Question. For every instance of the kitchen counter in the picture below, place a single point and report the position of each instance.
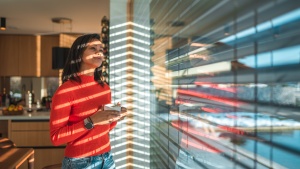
(32, 130)
(41, 115)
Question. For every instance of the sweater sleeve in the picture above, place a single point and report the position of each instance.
(113, 125)
(61, 131)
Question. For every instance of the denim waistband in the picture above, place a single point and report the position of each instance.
(100, 161)
(104, 155)
(101, 156)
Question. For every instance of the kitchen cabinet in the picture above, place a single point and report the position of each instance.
(9, 54)
(33, 134)
(30, 55)
(30, 134)
(27, 55)
(18, 55)
(47, 42)
(36, 134)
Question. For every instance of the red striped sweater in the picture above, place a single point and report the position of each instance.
(71, 104)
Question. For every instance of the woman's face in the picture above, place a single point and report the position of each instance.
(92, 56)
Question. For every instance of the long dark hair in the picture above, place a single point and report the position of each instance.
(73, 63)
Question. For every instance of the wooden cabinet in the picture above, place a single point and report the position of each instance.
(47, 42)
(18, 55)
(34, 134)
(9, 55)
(30, 134)
(28, 57)
(4, 128)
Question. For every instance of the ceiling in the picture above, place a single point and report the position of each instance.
(34, 17)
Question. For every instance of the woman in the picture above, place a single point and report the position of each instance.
(77, 116)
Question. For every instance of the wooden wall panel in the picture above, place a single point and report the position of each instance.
(47, 42)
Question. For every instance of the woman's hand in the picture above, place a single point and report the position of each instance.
(123, 113)
(103, 117)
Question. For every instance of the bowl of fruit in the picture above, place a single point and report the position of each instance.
(13, 110)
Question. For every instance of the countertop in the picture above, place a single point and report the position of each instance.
(34, 115)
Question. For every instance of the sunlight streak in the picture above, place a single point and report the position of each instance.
(129, 38)
(130, 142)
(81, 100)
(131, 149)
(125, 54)
(123, 84)
(133, 157)
(130, 135)
(131, 128)
(132, 165)
(62, 135)
(85, 141)
(129, 23)
(130, 45)
(71, 89)
(130, 76)
(97, 150)
(117, 63)
(129, 31)
(140, 70)
(62, 120)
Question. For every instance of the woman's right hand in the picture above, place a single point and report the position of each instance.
(103, 117)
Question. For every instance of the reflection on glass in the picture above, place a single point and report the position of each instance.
(226, 90)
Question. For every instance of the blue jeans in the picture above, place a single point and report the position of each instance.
(103, 161)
